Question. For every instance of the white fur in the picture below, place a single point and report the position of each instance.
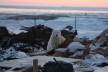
(55, 40)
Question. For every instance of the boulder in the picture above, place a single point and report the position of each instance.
(3, 31)
(58, 66)
(103, 51)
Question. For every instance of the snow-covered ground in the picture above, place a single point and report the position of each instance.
(104, 69)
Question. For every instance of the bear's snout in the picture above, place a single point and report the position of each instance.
(56, 35)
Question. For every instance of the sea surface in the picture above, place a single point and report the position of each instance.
(88, 22)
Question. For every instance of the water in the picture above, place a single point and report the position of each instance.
(89, 23)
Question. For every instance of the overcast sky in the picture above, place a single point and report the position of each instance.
(76, 3)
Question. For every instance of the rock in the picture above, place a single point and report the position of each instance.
(3, 31)
(33, 38)
(63, 52)
(58, 66)
(103, 64)
(103, 51)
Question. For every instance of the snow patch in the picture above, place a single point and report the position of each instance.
(104, 69)
(20, 55)
(74, 46)
(62, 49)
(93, 59)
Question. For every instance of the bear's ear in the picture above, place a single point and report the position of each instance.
(59, 31)
(53, 31)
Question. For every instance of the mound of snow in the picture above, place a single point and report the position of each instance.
(74, 46)
(93, 59)
(104, 69)
(20, 55)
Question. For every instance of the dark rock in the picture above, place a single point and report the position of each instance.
(3, 31)
(103, 64)
(58, 66)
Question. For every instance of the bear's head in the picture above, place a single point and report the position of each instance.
(56, 33)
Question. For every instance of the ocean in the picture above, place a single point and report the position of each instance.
(89, 21)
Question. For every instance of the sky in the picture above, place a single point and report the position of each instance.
(74, 3)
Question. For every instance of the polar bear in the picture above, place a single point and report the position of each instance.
(55, 40)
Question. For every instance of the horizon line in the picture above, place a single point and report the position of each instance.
(53, 6)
